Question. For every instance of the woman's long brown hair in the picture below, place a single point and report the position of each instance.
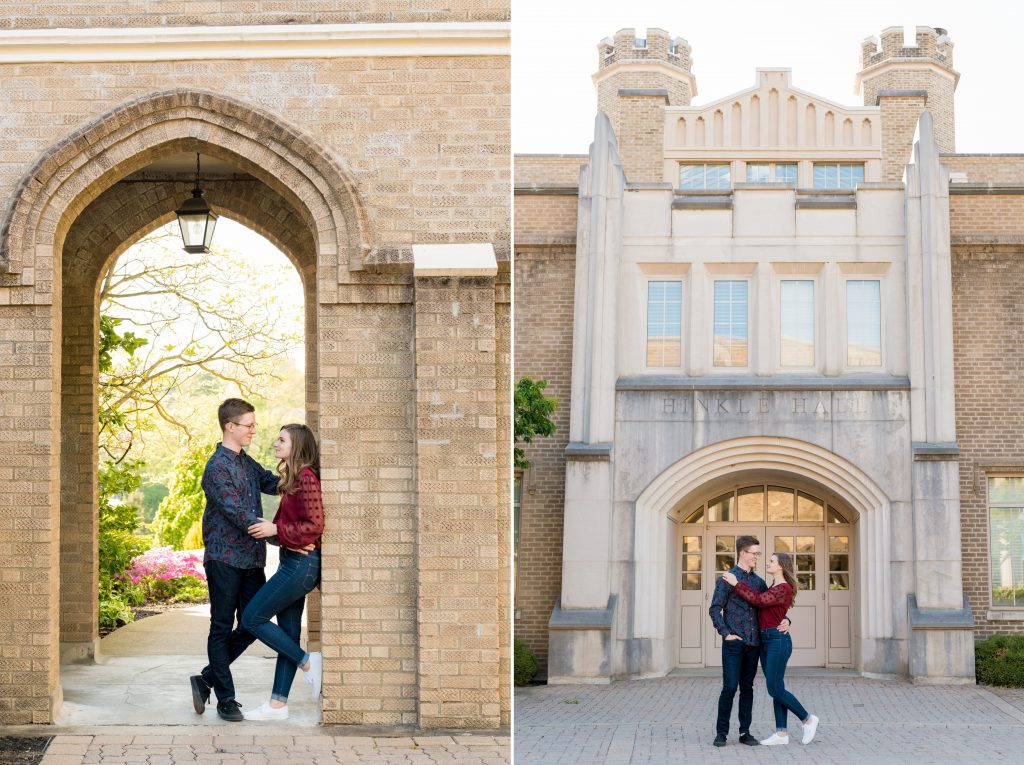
(786, 564)
(305, 453)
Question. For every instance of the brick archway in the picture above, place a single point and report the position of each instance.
(71, 174)
(411, 392)
(70, 217)
(111, 223)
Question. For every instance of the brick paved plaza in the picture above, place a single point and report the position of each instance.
(158, 747)
(671, 720)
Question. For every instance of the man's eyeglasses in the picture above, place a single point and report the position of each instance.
(251, 426)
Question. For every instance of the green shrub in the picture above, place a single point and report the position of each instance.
(525, 663)
(1000, 661)
(183, 506)
(114, 612)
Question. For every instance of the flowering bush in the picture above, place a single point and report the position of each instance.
(168, 575)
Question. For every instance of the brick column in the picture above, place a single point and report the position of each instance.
(79, 521)
(29, 525)
(458, 542)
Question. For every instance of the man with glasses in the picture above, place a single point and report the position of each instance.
(234, 560)
(736, 621)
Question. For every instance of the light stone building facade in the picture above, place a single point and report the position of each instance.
(781, 323)
(372, 147)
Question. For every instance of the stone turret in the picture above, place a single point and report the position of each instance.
(636, 79)
(903, 80)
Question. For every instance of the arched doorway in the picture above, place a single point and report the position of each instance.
(724, 468)
(786, 515)
(81, 206)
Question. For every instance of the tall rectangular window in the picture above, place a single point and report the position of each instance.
(704, 176)
(731, 330)
(837, 175)
(863, 323)
(796, 323)
(664, 323)
(1006, 540)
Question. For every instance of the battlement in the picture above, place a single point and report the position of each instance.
(625, 46)
(929, 43)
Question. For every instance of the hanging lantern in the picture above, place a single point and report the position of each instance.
(197, 220)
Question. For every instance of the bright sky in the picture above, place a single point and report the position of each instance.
(554, 54)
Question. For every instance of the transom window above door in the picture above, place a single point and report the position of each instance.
(766, 503)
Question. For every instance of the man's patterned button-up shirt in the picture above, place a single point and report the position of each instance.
(731, 614)
(232, 483)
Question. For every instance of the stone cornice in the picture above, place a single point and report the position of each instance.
(903, 64)
(26, 46)
(640, 65)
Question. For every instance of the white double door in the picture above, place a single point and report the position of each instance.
(818, 610)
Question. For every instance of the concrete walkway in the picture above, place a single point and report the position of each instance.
(672, 720)
(135, 706)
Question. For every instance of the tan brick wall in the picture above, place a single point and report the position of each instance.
(457, 528)
(446, 183)
(503, 411)
(367, 383)
(547, 169)
(23, 14)
(388, 153)
(988, 289)
(983, 216)
(30, 589)
(987, 168)
(545, 219)
(545, 278)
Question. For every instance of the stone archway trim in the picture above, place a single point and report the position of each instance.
(650, 609)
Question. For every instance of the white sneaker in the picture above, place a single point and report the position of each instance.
(809, 729)
(775, 740)
(315, 675)
(266, 712)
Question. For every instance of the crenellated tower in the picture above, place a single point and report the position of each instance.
(903, 80)
(636, 78)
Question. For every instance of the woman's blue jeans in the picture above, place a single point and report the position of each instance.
(776, 648)
(284, 596)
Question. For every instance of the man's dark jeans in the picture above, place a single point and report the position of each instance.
(739, 667)
(231, 589)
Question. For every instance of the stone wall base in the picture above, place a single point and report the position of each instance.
(941, 645)
(580, 645)
(81, 653)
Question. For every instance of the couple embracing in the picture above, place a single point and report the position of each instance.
(751, 618)
(242, 601)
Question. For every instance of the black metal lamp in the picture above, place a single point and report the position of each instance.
(197, 220)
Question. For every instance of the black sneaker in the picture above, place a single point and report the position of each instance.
(719, 740)
(200, 693)
(746, 738)
(230, 711)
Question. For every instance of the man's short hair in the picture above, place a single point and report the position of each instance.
(746, 541)
(231, 409)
